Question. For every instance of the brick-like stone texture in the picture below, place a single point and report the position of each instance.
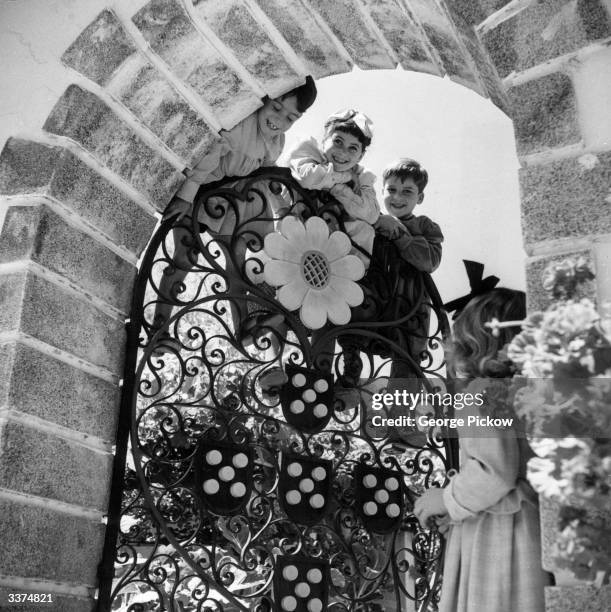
(82, 116)
(41, 464)
(544, 114)
(404, 36)
(36, 307)
(442, 36)
(537, 297)
(236, 27)
(37, 384)
(577, 597)
(36, 233)
(546, 29)
(32, 168)
(172, 35)
(100, 48)
(348, 24)
(39, 543)
(307, 39)
(59, 603)
(567, 198)
(105, 54)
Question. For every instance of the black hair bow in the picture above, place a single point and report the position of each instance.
(479, 286)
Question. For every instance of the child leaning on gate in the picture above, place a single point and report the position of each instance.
(493, 552)
(255, 142)
(403, 250)
(333, 166)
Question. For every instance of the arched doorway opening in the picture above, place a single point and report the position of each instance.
(197, 392)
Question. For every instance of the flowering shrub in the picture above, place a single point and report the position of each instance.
(563, 396)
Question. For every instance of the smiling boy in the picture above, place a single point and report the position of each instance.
(418, 239)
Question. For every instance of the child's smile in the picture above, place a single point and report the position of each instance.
(401, 197)
(343, 150)
(277, 116)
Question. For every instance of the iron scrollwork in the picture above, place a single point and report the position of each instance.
(245, 494)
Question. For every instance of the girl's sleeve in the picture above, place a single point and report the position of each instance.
(207, 170)
(310, 168)
(362, 205)
(486, 476)
(422, 250)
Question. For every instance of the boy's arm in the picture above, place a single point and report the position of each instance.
(311, 170)
(422, 250)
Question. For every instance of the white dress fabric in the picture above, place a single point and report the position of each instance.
(493, 550)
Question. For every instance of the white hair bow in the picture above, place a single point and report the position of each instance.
(363, 122)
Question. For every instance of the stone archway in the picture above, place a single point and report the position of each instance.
(150, 91)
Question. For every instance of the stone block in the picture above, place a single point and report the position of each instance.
(105, 54)
(141, 88)
(577, 597)
(442, 37)
(545, 30)
(37, 234)
(33, 168)
(41, 464)
(566, 198)
(348, 24)
(45, 311)
(309, 41)
(488, 76)
(100, 48)
(40, 543)
(36, 384)
(59, 603)
(544, 114)
(537, 297)
(236, 27)
(472, 12)
(404, 35)
(82, 116)
(172, 35)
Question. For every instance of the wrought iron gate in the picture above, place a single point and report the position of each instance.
(255, 476)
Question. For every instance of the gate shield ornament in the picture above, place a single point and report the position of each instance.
(223, 476)
(379, 498)
(304, 488)
(307, 398)
(301, 584)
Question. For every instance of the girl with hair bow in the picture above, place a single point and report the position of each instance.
(333, 166)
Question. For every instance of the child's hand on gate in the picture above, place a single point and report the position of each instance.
(389, 227)
(430, 504)
(177, 208)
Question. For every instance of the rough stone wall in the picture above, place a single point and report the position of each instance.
(150, 92)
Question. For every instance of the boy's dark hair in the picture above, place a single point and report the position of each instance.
(349, 127)
(305, 94)
(408, 168)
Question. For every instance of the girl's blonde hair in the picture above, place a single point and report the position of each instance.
(474, 350)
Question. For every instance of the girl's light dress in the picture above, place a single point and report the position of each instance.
(493, 551)
(239, 152)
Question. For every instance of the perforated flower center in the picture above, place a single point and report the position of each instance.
(315, 269)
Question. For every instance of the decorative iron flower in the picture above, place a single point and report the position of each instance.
(314, 271)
